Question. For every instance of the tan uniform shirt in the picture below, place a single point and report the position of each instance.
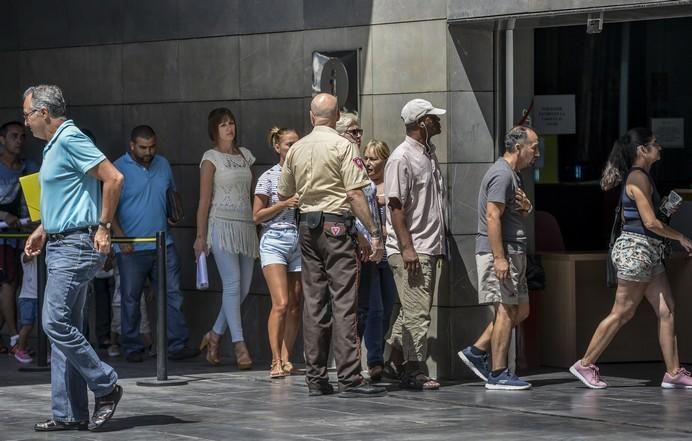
(321, 168)
(413, 176)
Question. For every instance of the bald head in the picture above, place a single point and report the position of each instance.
(324, 110)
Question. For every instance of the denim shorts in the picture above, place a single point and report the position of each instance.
(27, 311)
(638, 258)
(281, 246)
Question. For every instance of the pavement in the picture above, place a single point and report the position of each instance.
(221, 403)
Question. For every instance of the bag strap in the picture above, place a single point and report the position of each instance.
(618, 221)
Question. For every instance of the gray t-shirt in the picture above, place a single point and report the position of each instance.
(500, 184)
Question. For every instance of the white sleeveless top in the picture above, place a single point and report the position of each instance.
(230, 214)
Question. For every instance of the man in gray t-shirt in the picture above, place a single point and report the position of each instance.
(501, 185)
(501, 258)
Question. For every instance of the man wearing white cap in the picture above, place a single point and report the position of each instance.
(416, 245)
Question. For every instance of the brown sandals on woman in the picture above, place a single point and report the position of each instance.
(277, 370)
(211, 344)
(419, 381)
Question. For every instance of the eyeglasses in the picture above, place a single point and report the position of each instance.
(355, 132)
(28, 114)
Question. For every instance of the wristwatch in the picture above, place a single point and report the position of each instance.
(376, 234)
(106, 225)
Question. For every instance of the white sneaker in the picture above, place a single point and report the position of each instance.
(114, 351)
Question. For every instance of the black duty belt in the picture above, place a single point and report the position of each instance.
(61, 235)
(327, 217)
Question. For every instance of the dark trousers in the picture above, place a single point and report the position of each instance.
(330, 288)
(375, 303)
(103, 293)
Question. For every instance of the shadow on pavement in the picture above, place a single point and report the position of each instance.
(124, 423)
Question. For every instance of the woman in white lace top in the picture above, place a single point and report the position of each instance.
(225, 228)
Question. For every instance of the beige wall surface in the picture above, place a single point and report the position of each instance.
(167, 63)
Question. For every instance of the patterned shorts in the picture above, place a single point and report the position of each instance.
(638, 258)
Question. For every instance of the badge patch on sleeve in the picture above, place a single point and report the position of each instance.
(359, 163)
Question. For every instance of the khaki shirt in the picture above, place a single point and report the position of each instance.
(321, 168)
(412, 175)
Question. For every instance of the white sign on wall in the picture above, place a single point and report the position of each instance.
(554, 114)
(669, 132)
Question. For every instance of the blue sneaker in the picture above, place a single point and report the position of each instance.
(507, 380)
(477, 363)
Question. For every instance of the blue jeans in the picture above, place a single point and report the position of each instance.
(236, 277)
(134, 269)
(376, 296)
(72, 262)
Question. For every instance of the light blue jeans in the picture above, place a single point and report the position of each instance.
(72, 262)
(236, 276)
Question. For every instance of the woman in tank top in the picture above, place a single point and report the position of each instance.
(638, 258)
(225, 229)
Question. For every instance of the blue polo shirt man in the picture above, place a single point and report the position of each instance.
(76, 221)
(141, 213)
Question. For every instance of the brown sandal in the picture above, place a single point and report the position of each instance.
(242, 357)
(419, 381)
(212, 347)
(288, 368)
(277, 370)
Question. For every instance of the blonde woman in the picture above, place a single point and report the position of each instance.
(377, 288)
(280, 255)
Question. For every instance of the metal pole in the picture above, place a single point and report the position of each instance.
(161, 321)
(161, 324)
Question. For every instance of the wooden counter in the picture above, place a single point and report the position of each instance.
(576, 300)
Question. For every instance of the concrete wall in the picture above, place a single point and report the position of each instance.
(168, 62)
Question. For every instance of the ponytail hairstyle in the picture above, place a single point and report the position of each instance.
(622, 156)
(275, 134)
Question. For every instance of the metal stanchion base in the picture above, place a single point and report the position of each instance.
(153, 382)
(33, 368)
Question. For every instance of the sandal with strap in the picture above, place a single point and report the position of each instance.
(277, 370)
(288, 368)
(392, 371)
(419, 381)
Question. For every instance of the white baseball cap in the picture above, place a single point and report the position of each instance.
(418, 108)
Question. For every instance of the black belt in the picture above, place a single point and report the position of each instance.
(61, 235)
(328, 217)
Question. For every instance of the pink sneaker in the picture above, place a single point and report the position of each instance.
(22, 356)
(588, 375)
(681, 380)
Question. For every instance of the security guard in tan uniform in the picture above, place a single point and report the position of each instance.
(327, 173)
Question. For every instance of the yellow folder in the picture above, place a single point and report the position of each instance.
(32, 193)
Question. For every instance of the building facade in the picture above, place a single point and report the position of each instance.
(167, 63)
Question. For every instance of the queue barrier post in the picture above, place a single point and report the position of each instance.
(161, 320)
